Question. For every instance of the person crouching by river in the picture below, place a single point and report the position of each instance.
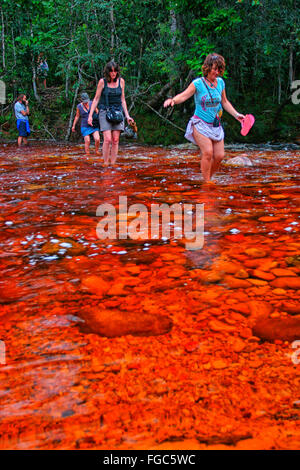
(83, 110)
(204, 128)
(111, 93)
(21, 109)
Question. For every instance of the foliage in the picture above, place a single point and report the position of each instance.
(155, 41)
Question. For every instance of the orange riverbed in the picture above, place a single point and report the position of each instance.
(205, 380)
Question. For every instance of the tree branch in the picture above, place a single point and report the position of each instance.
(161, 116)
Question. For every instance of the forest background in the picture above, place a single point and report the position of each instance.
(160, 45)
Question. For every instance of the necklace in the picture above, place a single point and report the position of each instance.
(211, 84)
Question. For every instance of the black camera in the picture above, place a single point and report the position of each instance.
(217, 122)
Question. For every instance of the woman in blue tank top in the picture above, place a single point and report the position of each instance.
(111, 93)
(82, 112)
(204, 128)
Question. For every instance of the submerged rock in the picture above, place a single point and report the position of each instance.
(238, 161)
(271, 329)
(63, 246)
(95, 285)
(255, 252)
(293, 260)
(112, 323)
(291, 307)
(286, 282)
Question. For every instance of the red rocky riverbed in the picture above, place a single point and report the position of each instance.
(144, 344)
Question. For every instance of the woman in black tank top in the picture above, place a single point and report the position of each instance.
(114, 87)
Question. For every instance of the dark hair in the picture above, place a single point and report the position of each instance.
(209, 62)
(108, 68)
(20, 97)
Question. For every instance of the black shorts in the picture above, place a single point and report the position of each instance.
(22, 129)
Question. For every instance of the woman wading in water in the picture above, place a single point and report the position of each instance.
(204, 128)
(83, 110)
(111, 93)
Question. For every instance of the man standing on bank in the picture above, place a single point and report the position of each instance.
(111, 93)
(204, 128)
(22, 112)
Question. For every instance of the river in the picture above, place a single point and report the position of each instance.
(143, 343)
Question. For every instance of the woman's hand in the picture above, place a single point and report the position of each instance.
(239, 116)
(169, 102)
(130, 120)
(90, 121)
(73, 129)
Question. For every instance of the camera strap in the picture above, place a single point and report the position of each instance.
(211, 98)
(106, 93)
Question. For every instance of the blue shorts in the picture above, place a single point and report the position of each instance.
(23, 128)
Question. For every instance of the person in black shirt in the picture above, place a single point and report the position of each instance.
(111, 93)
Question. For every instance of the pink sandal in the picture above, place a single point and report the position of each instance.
(247, 123)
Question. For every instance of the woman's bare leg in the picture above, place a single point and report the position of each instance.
(115, 146)
(87, 144)
(206, 146)
(107, 142)
(218, 155)
(97, 142)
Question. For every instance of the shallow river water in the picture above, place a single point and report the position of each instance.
(146, 344)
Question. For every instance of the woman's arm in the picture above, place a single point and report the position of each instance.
(96, 100)
(26, 112)
(229, 108)
(124, 105)
(75, 120)
(185, 95)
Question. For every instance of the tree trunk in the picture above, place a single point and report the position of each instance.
(279, 84)
(37, 97)
(112, 31)
(67, 82)
(34, 72)
(140, 62)
(14, 48)
(291, 74)
(155, 100)
(67, 136)
(173, 27)
(3, 40)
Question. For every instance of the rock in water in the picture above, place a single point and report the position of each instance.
(112, 323)
(239, 161)
(270, 329)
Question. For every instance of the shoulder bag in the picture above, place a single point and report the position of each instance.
(113, 115)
